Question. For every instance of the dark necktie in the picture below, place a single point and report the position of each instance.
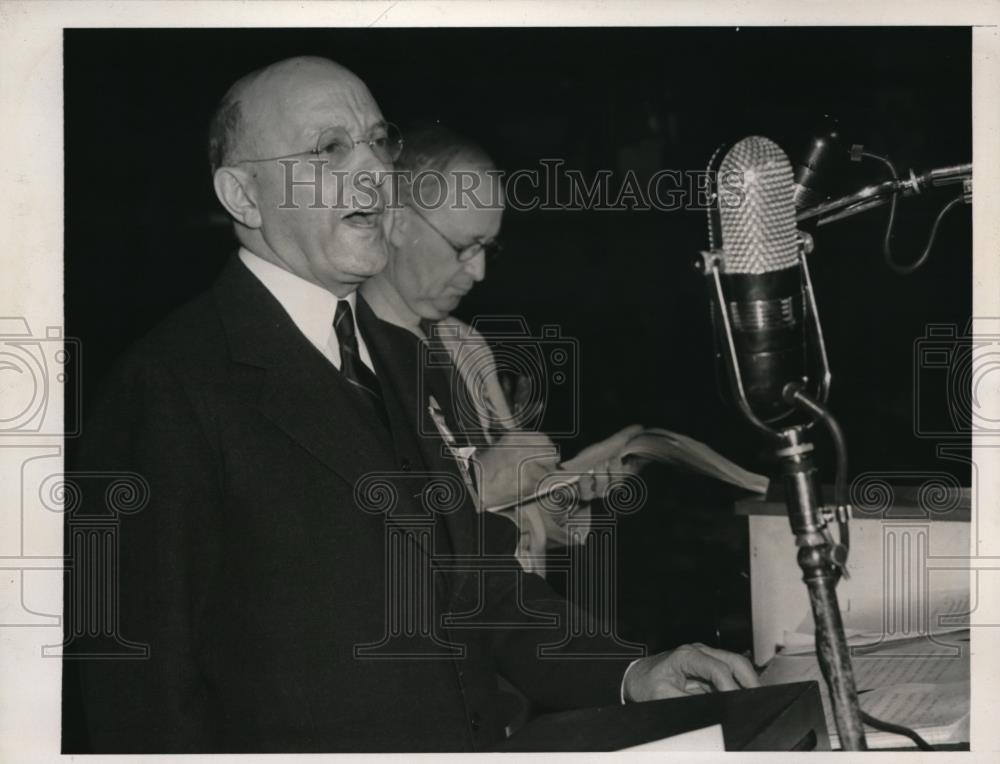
(352, 367)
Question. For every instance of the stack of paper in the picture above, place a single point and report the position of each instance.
(901, 682)
(943, 612)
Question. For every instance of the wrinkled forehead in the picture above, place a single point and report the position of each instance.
(287, 106)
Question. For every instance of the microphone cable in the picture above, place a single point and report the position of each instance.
(897, 729)
(904, 270)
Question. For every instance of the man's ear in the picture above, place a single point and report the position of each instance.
(235, 189)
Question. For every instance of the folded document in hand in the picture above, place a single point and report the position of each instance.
(655, 444)
(672, 448)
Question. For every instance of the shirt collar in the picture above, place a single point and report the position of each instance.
(387, 303)
(310, 306)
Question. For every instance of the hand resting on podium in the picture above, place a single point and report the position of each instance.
(688, 670)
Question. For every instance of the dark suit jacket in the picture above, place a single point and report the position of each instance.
(257, 568)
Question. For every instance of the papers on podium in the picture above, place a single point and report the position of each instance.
(921, 683)
(944, 611)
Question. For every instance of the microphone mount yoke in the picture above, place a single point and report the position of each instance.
(712, 265)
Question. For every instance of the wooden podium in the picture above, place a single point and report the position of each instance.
(785, 717)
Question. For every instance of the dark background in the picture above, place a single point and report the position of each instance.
(144, 232)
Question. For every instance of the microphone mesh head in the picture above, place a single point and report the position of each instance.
(756, 208)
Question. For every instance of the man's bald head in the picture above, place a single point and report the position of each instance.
(224, 131)
(326, 224)
(235, 127)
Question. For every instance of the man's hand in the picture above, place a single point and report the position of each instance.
(608, 465)
(688, 670)
(512, 467)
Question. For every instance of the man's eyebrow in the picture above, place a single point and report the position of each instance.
(318, 130)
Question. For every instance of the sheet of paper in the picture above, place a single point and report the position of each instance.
(919, 705)
(705, 739)
(948, 613)
(874, 671)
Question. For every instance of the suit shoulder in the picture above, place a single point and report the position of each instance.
(190, 337)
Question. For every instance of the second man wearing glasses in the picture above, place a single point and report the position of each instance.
(445, 230)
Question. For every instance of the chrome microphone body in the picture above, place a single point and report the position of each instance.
(761, 274)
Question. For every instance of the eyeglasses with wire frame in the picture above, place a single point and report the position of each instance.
(335, 144)
(464, 252)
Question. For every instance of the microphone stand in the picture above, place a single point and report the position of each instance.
(817, 555)
(818, 572)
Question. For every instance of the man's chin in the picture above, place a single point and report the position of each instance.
(363, 262)
(446, 305)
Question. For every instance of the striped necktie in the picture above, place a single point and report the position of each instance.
(352, 367)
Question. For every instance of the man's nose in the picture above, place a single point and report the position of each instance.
(476, 266)
(369, 176)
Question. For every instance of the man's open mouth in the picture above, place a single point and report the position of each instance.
(363, 218)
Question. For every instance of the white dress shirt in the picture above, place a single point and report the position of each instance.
(310, 306)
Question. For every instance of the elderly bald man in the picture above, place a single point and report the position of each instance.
(286, 574)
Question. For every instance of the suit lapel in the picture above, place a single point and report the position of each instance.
(304, 395)
(396, 353)
(300, 391)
